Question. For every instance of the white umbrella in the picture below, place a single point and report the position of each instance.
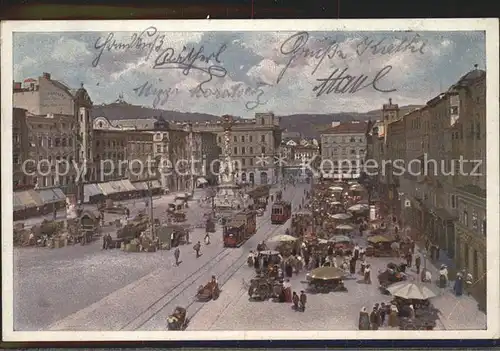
(408, 290)
(358, 207)
(336, 203)
(344, 227)
(322, 241)
(282, 238)
(356, 186)
(342, 216)
(336, 188)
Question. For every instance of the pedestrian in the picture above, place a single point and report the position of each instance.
(356, 252)
(412, 312)
(374, 319)
(417, 264)
(207, 239)
(393, 316)
(177, 254)
(288, 291)
(437, 252)
(443, 277)
(468, 283)
(303, 300)
(364, 320)
(382, 313)
(413, 247)
(459, 285)
(409, 259)
(367, 275)
(197, 248)
(295, 300)
(352, 265)
(362, 253)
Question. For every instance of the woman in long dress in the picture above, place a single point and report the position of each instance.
(364, 320)
(443, 277)
(367, 275)
(393, 316)
(459, 285)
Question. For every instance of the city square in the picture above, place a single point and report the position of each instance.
(132, 215)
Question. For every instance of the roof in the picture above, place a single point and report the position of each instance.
(137, 123)
(469, 78)
(348, 128)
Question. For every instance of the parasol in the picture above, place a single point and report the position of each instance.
(339, 239)
(356, 187)
(282, 238)
(358, 208)
(408, 290)
(322, 241)
(344, 227)
(336, 188)
(342, 216)
(327, 273)
(336, 203)
(269, 252)
(378, 239)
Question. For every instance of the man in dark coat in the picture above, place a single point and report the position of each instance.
(352, 265)
(382, 313)
(417, 264)
(409, 258)
(295, 300)
(177, 254)
(303, 300)
(375, 319)
(197, 248)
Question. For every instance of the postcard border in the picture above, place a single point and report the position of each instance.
(490, 26)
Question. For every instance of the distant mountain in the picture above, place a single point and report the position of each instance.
(309, 125)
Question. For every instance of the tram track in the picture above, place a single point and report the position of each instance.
(161, 303)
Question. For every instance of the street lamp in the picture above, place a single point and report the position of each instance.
(424, 256)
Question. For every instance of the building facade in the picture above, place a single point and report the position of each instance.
(343, 150)
(443, 193)
(255, 145)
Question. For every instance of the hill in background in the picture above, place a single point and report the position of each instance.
(309, 125)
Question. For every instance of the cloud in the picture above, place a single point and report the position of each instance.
(252, 62)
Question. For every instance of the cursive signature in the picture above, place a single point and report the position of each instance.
(148, 40)
(415, 45)
(193, 59)
(340, 82)
(295, 47)
(236, 91)
(161, 96)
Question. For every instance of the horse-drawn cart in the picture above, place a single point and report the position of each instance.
(208, 292)
(178, 320)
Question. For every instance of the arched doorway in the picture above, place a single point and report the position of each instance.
(252, 178)
(263, 177)
(243, 177)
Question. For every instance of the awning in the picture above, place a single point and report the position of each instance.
(59, 193)
(91, 190)
(118, 186)
(128, 185)
(48, 196)
(25, 199)
(201, 180)
(106, 188)
(17, 203)
(140, 186)
(155, 184)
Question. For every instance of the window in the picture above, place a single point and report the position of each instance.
(262, 121)
(243, 161)
(158, 148)
(251, 150)
(235, 138)
(251, 161)
(49, 142)
(352, 140)
(454, 110)
(353, 151)
(250, 138)
(242, 150)
(263, 149)
(242, 138)
(478, 131)
(263, 138)
(475, 221)
(235, 150)
(453, 201)
(15, 159)
(219, 139)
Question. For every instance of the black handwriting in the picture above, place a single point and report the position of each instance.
(161, 96)
(147, 40)
(192, 59)
(236, 91)
(295, 47)
(340, 82)
(415, 45)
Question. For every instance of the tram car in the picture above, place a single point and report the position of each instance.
(239, 228)
(281, 212)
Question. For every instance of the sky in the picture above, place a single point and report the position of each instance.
(241, 73)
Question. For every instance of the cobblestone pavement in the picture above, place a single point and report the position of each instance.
(50, 284)
(333, 311)
(145, 302)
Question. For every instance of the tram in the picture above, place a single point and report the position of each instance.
(281, 212)
(239, 228)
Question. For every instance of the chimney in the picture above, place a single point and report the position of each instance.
(46, 75)
(475, 66)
